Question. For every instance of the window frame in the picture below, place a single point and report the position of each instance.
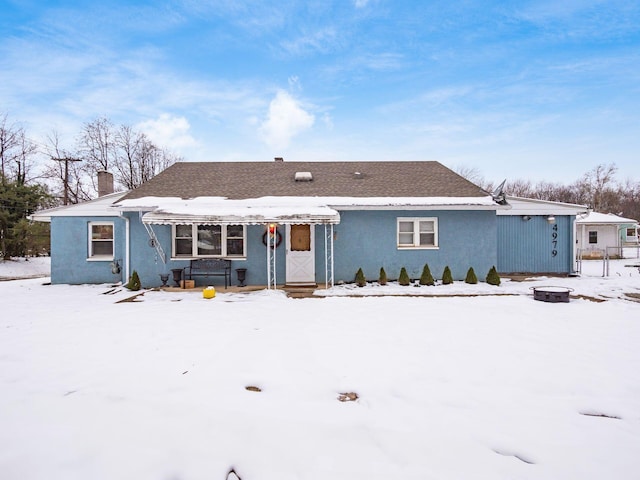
(634, 234)
(94, 257)
(224, 237)
(593, 237)
(416, 245)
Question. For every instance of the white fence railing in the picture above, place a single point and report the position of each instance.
(605, 255)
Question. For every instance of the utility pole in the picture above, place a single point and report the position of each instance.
(66, 161)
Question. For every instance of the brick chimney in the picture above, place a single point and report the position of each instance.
(105, 183)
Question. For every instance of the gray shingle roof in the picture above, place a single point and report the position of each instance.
(239, 180)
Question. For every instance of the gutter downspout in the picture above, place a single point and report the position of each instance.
(126, 247)
(575, 245)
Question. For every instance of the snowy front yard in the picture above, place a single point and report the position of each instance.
(488, 387)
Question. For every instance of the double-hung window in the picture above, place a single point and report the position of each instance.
(593, 237)
(195, 241)
(418, 232)
(101, 240)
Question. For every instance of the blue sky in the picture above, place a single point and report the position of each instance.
(544, 90)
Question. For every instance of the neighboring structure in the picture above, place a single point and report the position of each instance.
(306, 223)
(537, 236)
(605, 233)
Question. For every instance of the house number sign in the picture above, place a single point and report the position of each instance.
(554, 240)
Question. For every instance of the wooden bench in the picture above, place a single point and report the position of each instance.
(209, 267)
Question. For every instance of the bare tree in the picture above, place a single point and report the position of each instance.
(71, 176)
(24, 161)
(629, 194)
(96, 147)
(130, 155)
(137, 158)
(595, 186)
(519, 188)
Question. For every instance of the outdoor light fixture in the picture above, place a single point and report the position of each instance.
(526, 218)
(551, 219)
(115, 267)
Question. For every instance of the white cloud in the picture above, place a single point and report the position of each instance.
(294, 83)
(323, 41)
(286, 119)
(168, 131)
(361, 3)
(327, 120)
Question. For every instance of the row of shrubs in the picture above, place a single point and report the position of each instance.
(427, 278)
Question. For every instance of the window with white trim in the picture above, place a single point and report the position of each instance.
(631, 234)
(195, 241)
(418, 232)
(101, 240)
(593, 237)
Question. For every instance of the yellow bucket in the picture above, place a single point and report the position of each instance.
(209, 292)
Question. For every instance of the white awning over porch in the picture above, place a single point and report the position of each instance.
(204, 211)
(242, 218)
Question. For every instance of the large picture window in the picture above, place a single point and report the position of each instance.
(420, 232)
(101, 240)
(209, 241)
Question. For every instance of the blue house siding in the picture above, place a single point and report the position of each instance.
(70, 250)
(145, 261)
(535, 246)
(363, 239)
(368, 240)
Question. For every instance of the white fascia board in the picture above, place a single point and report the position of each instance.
(98, 207)
(429, 206)
(531, 206)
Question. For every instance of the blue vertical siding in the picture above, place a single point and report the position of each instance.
(528, 246)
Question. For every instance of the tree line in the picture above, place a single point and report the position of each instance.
(598, 189)
(41, 174)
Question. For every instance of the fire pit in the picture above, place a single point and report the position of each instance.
(552, 294)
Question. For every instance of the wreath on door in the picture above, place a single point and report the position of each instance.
(278, 238)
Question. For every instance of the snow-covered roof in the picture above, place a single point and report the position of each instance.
(215, 210)
(99, 207)
(173, 210)
(532, 206)
(596, 218)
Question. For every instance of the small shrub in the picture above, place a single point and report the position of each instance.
(382, 279)
(447, 278)
(134, 282)
(492, 277)
(404, 279)
(361, 281)
(426, 278)
(471, 276)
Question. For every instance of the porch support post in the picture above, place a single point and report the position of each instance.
(326, 259)
(328, 255)
(268, 260)
(271, 259)
(332, 256)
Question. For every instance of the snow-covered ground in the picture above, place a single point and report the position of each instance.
(31, 267)
(451, 387)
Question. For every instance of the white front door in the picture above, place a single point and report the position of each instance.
(300, 253)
